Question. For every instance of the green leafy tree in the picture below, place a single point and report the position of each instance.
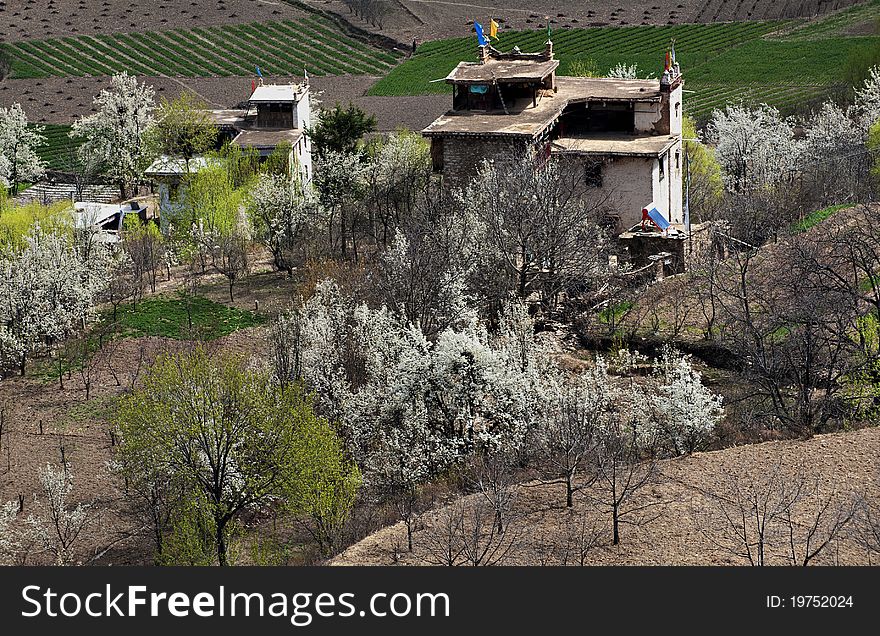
(874, 147)
(340, 129)
(706, 183)
(324, 485)
(184, 128)
(230, 437)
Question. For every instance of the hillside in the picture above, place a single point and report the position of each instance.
(433, 19)
(782, 62)
(685, 531)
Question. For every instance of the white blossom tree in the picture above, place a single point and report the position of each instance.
(866, 102)
(282, 213)
(686, 411)
(47, 292)
(833, 154)
(624, 71)
(61, 523)
(19, 161)
(9, 540)
(755, 146)
(568, 437)
(119, 132)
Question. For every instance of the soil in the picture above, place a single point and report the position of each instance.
(61, 100)
(40, 417)
(680, 527)
(41, 19)
(433, 19)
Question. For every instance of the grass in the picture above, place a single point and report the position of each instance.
(814, 218)
(167, 317)
(613, 313)
(783, 63)
(279, 48)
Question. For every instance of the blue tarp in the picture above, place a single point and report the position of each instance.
(657, 216)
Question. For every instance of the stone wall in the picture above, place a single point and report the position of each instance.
(462, 156)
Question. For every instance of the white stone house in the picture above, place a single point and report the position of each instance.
(625, 134)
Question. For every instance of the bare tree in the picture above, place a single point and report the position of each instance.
(817, 522)
(792, 333)
(539, 225)
(576, 536)
(625, 464)
(867, 525)
(442, 537)
(482, 544)
(777, 515)
(492, 475)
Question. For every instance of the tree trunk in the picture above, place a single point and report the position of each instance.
(615, 520)
(221, 544)
(569, 499)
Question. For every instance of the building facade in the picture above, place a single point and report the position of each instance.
(623, 134)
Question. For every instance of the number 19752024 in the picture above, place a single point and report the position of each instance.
(814, 600)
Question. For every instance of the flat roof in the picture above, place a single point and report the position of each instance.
(267, 137)
(619, 144)
(526, 120)
(501, 71)
(610, 89)
(228, 117)
(276, 93)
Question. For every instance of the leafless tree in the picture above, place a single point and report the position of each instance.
(817, 522)
(750, 509)
(481, 542)
(791, 332)
(625, 464)
(285, 343)
(780, 514)
(492, 475)
(577, 535)
(228, 255)
(540, 226)
(442, 543)
(867, 525)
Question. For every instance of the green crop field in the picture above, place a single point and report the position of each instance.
(57, 149)
(783, 63)
(278, 48)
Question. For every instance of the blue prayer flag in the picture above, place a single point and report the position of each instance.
(481, 39)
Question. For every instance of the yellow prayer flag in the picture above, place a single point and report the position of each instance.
(493, 29)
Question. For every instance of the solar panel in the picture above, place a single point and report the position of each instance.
(658, 218)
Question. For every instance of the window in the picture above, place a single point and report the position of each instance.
(662, 167)
(437, 154)
(677, 160)
(677, 106)
(593, 174)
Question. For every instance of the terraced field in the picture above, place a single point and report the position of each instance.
(58, 147)
(781, 62)
(278, 48)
